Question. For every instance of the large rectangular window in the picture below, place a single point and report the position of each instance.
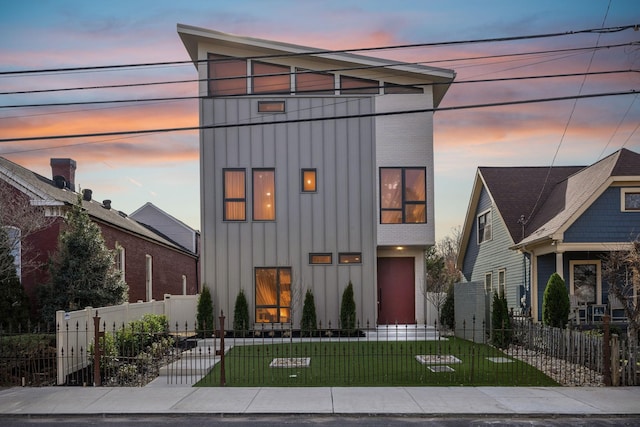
(484, 227)
(314, 83)
(235, 201)
(273, 294)
(264, 195)
(270, 78)
(403, 195)
(227, 75)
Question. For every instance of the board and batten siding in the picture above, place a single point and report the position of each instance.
(339, 217)
(494, 255)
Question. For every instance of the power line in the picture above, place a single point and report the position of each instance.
(292, 92)
(317, 119)
(473, 58)
(316, 52)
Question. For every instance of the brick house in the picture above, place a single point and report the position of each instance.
(152, 263)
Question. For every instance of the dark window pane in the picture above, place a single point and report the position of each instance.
(395, 88)
(632, 201)
(355, 85)
(309, 83)
(350, 258)
(320, 259)
(227, 75)
(275, 78)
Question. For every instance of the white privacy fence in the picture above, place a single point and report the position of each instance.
(76, 331)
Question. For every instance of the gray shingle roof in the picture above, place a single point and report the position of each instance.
(43, 189)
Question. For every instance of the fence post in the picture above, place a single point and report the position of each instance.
(97, 350)
(615, 360)
(223, 380)
(606, 365)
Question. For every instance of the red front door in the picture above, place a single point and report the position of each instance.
(396, 291)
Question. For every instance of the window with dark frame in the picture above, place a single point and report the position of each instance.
(273, 294)
(314, 82)
(350, 258)
(356, 85)
(403, 197)
(309, 181)
(264, 195)
(271, 107)
(320, 258)
(391, 88)
(227, 75)
(270, 78)
(235, 201)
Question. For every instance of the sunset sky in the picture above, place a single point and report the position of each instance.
(163, 168)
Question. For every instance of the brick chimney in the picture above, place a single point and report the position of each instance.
(64, 168)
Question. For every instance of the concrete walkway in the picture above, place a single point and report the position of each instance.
(416, 401)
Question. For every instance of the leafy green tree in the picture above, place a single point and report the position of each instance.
(500, 322)
(241, 315)
(82, 271)
(348, 311)
(555, 303)
(14, 302)
(204, 313)
(308, 324)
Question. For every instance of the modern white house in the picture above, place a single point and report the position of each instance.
(316, 171)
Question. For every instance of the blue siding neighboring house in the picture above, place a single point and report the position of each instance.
(558, 219)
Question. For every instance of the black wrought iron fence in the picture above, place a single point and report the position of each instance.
(135, 354)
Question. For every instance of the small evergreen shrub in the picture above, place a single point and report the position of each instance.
(500, 322)
(241, 315)
(555, 303)
(204, 316)
(348, 311)
(447, 313)
(308, 324)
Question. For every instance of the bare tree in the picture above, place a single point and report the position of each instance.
(441, 271)
(18, 214)
(621, 270)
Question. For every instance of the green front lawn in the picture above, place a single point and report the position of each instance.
(371, 364)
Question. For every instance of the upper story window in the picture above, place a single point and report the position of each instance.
(630, 200)
(270, 78)
(350, 258)
(235, 201)
(271, 107)
(403, 196)
(314, 83)
(14, 238)
(355, 85)
(395, 88)
(309, 182)
(227, 75)
(120, 260)
(484, 227)
(320, 258)
(264, 195)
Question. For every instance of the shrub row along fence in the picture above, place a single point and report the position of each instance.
(138, 352)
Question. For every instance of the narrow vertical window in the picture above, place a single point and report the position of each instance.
(234, 195)
(502, 282)
(120, 260)
(184, 284)
(227, 75)
(309, 181)
(264, 197)
(14, 236)
(149, 277)
(488, 283)
(484, 227)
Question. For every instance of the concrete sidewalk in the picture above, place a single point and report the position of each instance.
(417, 401)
